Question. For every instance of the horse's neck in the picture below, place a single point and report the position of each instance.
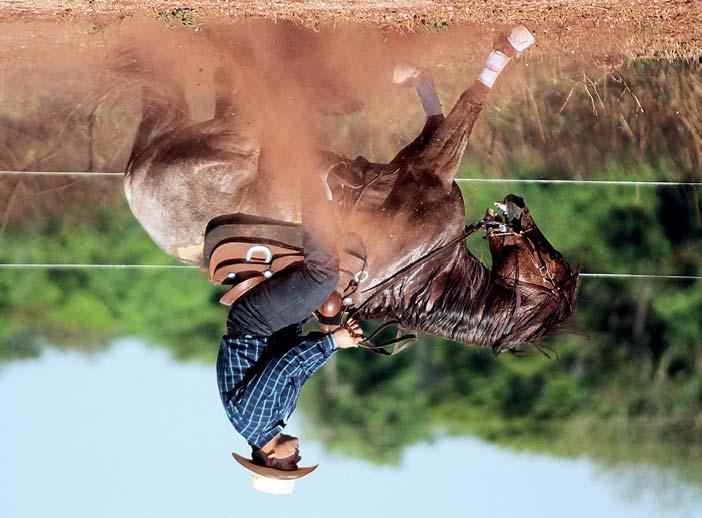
(459, 302)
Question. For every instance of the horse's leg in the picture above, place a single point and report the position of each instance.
(442, 154)
(423, 83)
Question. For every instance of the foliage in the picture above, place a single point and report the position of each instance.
(89, 308)
(433, 26)
(184, 16)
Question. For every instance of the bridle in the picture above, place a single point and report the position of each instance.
(537, 259)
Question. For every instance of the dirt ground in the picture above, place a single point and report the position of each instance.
(661, 28)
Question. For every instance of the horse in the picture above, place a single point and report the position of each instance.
(409, 212)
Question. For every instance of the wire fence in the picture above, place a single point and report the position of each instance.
(104, 174)
(90, 266)
(632, 183)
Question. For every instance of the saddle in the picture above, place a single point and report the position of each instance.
(243, 251)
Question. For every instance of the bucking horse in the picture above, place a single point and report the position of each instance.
(417, 271)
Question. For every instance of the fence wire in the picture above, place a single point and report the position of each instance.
(89, 266)
(103, 174)
(636, 183)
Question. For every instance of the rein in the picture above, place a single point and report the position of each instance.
(402, 342)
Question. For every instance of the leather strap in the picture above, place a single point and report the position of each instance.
(241, 289)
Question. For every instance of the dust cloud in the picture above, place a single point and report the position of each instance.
(285, 82)
(71, 96)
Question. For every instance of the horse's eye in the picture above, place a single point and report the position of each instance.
(555, 255)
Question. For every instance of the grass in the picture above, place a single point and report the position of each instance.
(433, 26)
(184, 16)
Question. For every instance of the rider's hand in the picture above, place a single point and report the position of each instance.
(350, 335)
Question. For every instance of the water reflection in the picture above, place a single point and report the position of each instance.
(628, 394)
(156, 442)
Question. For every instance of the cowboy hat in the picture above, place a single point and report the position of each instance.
(271, 480)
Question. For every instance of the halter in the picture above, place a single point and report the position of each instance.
(538, 260)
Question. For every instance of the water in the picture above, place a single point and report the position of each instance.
(107, 381)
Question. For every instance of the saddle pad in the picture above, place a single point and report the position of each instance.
(251, 229)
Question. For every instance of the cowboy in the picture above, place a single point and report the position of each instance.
(264, 361)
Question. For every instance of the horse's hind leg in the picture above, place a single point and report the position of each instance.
(443, 153)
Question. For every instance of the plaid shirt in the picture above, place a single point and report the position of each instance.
(260, 378)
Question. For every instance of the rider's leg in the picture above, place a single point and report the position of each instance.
(423, 83)
(445, 148)
(292, 295)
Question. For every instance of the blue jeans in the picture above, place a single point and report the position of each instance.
(292, 295)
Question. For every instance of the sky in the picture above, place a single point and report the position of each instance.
(131, 432)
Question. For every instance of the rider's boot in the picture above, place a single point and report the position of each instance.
(506, 46)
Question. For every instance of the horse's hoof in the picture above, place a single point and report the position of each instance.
(405, 74)
(520, 38)
(409, 75)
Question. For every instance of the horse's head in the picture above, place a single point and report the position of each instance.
(544, 287)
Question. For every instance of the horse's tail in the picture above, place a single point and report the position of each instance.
(130, 64)
(162, 102)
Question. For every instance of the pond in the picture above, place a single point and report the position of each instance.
(107, 375)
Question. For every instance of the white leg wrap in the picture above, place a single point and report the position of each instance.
(496, 61)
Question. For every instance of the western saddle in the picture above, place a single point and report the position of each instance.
(243, 251)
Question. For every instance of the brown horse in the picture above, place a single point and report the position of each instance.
(182, 175)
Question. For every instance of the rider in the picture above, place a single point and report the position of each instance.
(263, 361)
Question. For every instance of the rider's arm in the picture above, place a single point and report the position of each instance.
(259, 407)
(300, 362)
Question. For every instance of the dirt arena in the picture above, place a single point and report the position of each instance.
(653, 28)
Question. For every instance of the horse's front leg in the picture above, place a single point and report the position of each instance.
(443, 151)
(423, 83)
